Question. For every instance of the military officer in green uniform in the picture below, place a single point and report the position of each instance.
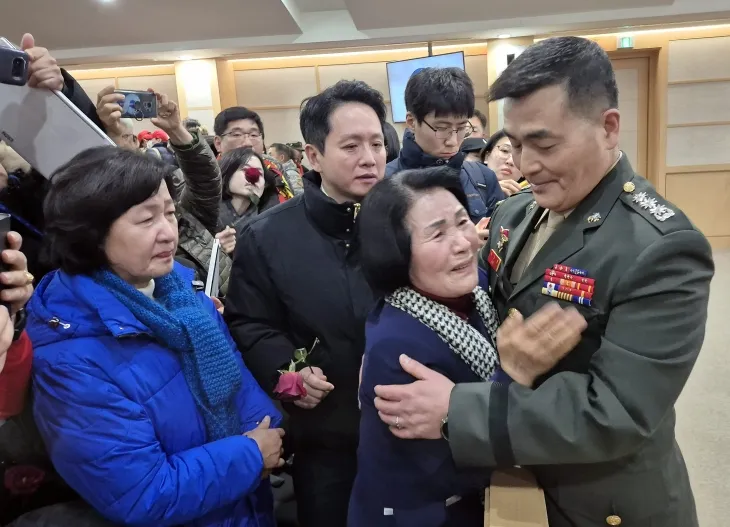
(595, 426)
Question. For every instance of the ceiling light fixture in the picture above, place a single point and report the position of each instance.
(423, 48)
(504, 35)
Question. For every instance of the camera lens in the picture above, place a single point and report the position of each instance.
(18, 68)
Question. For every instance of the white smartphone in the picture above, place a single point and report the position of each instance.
(43, 126)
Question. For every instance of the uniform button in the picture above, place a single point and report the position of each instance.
(512, 313)
(347, 230)
(349, 209)
(347, 245)
(613, 520)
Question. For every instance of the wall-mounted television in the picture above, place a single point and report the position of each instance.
(399, 72)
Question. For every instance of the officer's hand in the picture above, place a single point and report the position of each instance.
(415, 411)
(315, 381)
(529, 348)
(509, 186)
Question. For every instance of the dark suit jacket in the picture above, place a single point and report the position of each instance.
(413, 478)
(598, 430)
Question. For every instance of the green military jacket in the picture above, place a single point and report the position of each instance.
(598, 430)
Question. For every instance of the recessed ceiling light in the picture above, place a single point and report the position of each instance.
(504, 35)
(107, 1)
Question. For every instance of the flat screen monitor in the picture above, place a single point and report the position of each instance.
(399, 73)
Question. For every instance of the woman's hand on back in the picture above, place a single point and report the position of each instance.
(530, 348)
(269, 443)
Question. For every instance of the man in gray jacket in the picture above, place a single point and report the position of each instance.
(596, 426)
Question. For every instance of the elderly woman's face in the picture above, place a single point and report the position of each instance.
(444, 245)
(141, 244)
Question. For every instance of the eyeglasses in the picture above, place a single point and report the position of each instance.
(445, 132)
(239, 134)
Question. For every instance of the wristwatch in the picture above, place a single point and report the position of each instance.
(20, 319)
(445, 427)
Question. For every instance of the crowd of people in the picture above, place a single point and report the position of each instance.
(392, 325)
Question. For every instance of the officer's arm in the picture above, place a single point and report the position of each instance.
(654, 333)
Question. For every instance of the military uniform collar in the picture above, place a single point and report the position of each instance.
(588, 214)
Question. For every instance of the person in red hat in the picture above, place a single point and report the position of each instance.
(143, 137)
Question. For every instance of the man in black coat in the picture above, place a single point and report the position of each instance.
(296, 281)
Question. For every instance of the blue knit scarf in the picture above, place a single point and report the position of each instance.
(179, 321)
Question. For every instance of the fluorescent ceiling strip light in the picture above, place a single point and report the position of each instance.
(424, 47)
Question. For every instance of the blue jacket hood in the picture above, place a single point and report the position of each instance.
(68, 306)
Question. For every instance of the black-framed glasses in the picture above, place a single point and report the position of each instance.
(445, 132)
(254, 135)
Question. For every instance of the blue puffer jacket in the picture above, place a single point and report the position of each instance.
(121, 425)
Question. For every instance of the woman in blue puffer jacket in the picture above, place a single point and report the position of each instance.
(141, 397)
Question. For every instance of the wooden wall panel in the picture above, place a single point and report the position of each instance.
(275, 88)
(374, 73)
(699, 58)
(705, 198)
(281, 125)
(476, 68)
(92, 87)
(698, 145)
(700, 102)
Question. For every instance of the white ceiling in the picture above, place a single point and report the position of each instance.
(108, 31)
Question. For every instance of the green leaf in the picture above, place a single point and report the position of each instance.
(300, 355)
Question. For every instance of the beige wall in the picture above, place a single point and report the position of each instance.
(276, 88)
(698, 133)
(688, 143)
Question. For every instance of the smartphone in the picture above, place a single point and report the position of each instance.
(14, 65)
(138, 104)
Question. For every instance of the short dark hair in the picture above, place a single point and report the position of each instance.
(191, 125)
(491, 143)
(482, 118)
(236, 113)
(283, 150)
(385, 242)
(444, 91)
(87, 195)
(314, 119)
(578, 64)
(392, 142)
(234, 159)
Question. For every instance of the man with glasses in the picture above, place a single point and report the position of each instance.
(239, 127)
(440, 102)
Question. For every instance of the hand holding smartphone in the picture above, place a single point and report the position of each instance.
(138, 104)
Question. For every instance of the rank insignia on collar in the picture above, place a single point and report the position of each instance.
(503, 238)
(594, 218)
(659, 211)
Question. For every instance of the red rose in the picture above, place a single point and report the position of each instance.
(252, 174)
(290, 387)
(23, 480)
